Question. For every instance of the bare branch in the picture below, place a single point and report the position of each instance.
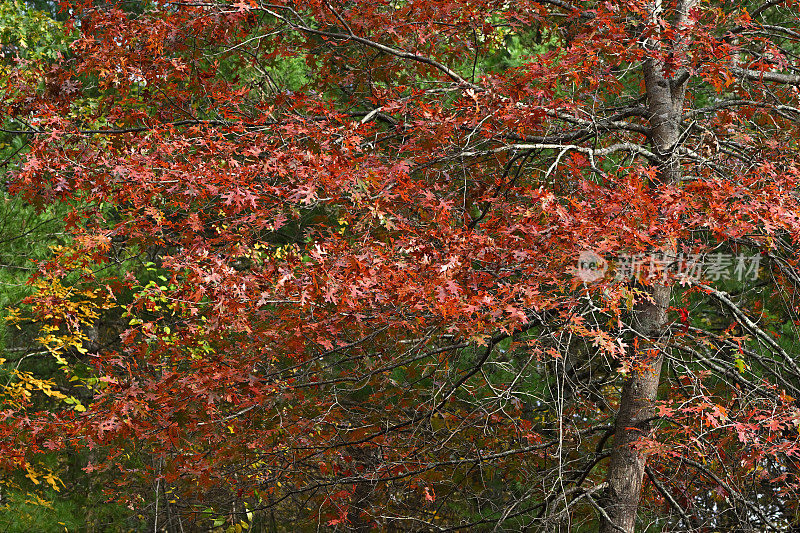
(766, 75)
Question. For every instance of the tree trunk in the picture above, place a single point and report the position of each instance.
(665, 100)
(626, 471)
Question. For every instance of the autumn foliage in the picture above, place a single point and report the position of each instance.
(321, 266)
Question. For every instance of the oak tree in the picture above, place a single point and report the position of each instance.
(331, 250)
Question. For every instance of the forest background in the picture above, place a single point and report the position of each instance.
(403, 265)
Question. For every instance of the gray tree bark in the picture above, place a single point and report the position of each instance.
(665, 101)
(626, 470)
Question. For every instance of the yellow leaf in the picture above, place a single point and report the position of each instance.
(31, 475)
(51, 480)
(741, 366)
